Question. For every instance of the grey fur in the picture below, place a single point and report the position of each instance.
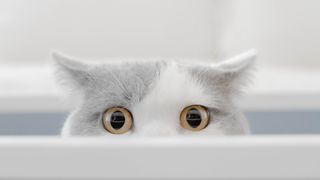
(126, 83)
(102, 86)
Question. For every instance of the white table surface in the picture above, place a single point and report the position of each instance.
(242, 157)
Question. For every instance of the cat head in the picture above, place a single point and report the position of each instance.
(154, 97)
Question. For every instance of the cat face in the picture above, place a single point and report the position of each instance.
(154, 97)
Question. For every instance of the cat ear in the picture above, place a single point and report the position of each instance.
(235, 72)
(71, 73)
(237, 64)
(229, 76)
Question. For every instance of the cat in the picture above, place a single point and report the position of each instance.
(155, 97)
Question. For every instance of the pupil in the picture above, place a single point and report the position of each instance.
(117, 120)
(193, 118)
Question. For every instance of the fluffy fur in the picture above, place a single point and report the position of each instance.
(155, 92)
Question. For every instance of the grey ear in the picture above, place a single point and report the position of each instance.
(229, 76)
(235, 73)
(71, 73)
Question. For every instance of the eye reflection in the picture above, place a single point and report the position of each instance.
(194, 117)
(117, 120)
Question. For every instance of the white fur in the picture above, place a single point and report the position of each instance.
(237, 62)
(158, 113)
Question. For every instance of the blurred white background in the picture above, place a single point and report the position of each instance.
(283, 31)
(286, 33)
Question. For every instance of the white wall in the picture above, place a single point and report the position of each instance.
(282, 30)
(98, 29)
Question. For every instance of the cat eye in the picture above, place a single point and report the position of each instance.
(117, 120)
(194, 117)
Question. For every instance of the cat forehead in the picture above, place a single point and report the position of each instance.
(156, 82)
(174, 89)
(122, 83)
(176, 83)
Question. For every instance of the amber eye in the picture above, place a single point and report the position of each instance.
(194, 117)
(117, 120)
